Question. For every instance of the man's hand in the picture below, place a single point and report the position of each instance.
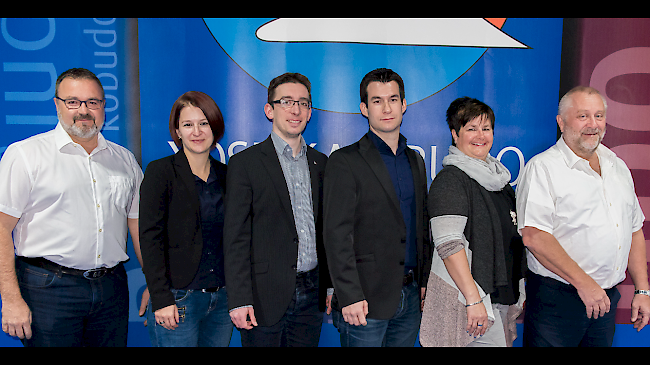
(548, 251)
(243, 318)
(640, 311)
(16, 315)
(595, 299)
(144, 304)
(17, 318)
(328, 304)
(355, 314)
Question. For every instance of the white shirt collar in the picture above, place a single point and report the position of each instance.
(605, 155)
(62, 138)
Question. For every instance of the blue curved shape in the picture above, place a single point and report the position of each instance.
(336, 69)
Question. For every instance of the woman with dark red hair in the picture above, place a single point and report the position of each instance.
(181, 226)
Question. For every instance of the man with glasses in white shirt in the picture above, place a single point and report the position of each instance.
(582, 224)
(68, 196)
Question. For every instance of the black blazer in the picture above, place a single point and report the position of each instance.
(260, 237)
(365, 234)
(171, 240)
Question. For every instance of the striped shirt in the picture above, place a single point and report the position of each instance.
(296, 174)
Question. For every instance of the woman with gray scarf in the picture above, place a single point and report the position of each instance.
(473, 295)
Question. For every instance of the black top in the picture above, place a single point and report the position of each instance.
(513, 248)
(210, 273)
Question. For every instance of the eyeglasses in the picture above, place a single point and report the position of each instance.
(288, 103)
(92, 104)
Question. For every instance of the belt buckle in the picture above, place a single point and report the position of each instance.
(94, 273)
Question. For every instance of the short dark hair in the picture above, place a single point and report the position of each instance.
(210, 110)
(384, 75)
(77, 73)
(463, 110)
(288, 77)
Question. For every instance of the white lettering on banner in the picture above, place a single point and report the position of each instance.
(433, 164)
(95, 32)
(107, 38)
(222, 155)
(41, 67)
(231, 148)
(520, 156)
(31, 67)
(626, 116)
(335, 146)
(28, 45)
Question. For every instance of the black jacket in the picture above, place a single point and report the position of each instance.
(365, 235)
(171, 240)
(260, 237)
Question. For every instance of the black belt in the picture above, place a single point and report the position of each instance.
(91, 274)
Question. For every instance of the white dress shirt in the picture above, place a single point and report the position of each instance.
(72, 206)
(592, 216)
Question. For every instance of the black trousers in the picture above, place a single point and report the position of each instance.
(556, 316)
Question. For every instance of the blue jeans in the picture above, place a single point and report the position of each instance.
(399, 331)
(72, 311)
(556, 317)
(301, 324)
(203, 321)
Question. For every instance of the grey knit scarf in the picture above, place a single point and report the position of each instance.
(491, 173)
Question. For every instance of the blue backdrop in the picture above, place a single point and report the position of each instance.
(226, 59)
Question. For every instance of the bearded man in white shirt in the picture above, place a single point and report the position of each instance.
(68, 196)
(581, 222)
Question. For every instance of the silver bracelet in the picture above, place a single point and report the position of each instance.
(479, 302)
(644, 292)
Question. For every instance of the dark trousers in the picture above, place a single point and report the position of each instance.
(72, 311)
(555, 316)
(301, 324)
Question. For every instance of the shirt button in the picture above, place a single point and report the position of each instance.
(100, 230)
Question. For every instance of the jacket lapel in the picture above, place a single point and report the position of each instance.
(370, 153)
(314, 173)
(272, 164)
(186, 177)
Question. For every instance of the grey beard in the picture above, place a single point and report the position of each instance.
(77, 131)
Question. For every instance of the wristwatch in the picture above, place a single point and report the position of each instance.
(644, 292)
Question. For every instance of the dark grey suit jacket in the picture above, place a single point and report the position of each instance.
(365, 234)
(260, 237)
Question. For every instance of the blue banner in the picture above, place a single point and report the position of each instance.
(513, 65)
(226, 59)
(33, 53)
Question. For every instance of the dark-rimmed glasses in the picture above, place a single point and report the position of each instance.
(288, 103)
(92, 104)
